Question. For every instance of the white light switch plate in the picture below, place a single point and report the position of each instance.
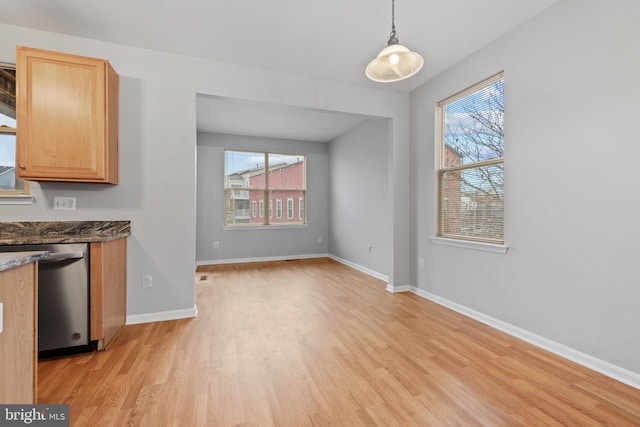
(64, 203)
(1, 317)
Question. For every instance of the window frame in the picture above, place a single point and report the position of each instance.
(22, 188)
(256, 181)
(442, 183)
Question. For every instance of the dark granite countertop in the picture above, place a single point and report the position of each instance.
(15, 259)
(44, 232)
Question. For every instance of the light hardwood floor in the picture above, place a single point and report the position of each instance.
(313, 342)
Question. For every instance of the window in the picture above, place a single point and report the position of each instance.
(289, 208)
(252, 178)
(9, 184)
(471, 163)
(300, 208)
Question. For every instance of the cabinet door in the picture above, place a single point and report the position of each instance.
(66, 117)
(108, 289)
(18, 340)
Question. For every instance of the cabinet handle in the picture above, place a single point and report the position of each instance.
(23, 167)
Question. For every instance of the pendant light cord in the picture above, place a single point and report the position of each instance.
(393, 38)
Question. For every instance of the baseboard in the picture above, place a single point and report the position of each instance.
(616, 372)
(398, 288)
(162, 316)
(358, 267)
(262, 259)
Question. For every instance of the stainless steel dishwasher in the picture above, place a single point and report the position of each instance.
(63, 297)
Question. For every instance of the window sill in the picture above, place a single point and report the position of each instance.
(16, 200)
(468, 244)
(263, 227)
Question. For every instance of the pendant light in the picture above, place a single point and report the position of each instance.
(395, 62)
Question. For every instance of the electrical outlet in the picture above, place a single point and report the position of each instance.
(421, 263)
(64, 203)
(319, 239)
(147, 281)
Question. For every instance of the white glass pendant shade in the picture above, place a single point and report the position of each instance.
(394, 63)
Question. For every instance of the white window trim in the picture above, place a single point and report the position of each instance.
(268, 193)
(17, 200)
(283, 226)
(438, 134)
(470, 244)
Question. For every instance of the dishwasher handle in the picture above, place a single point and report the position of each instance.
(61, 256)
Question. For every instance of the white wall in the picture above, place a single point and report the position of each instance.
(571, 193)
(251, 243)
(360, 204)
(158, 156)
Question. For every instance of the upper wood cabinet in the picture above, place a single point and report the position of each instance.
(67, 119)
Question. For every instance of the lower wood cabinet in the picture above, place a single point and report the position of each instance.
(108, 289)
(18, 340)
(19, 298)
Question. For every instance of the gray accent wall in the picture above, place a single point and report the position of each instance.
(360, 200)
(571, 182)
(258, 242)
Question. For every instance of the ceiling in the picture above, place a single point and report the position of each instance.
(241, 117)
(333, 39)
